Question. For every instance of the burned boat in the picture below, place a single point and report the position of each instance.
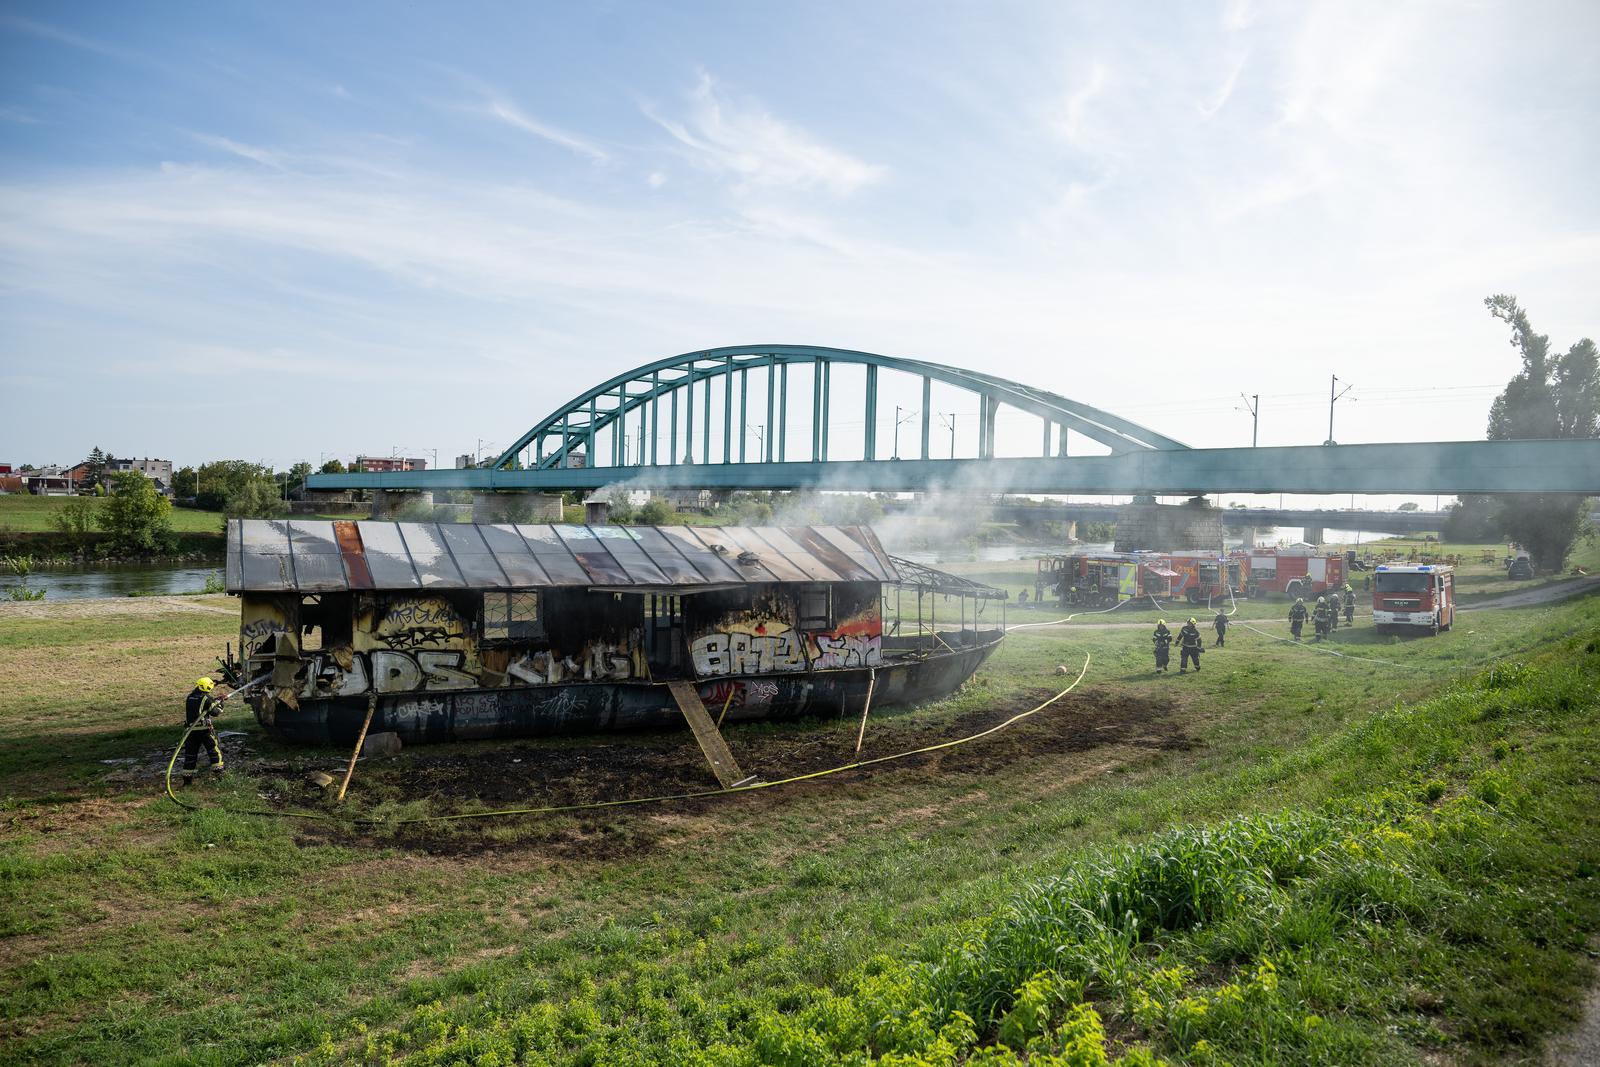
(454, 631)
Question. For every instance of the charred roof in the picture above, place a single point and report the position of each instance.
(315, 556)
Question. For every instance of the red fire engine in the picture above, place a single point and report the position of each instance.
(1106, 579)
(1418, 597)
(1201, 576)
(1296, 572)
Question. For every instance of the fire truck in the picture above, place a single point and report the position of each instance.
(1107, 579)
(1202, 576)
(1296, 572)
(1420, 597)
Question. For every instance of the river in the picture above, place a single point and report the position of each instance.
(117, 580)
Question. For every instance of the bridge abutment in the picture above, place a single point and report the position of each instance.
(1163, 527)
(502, 506)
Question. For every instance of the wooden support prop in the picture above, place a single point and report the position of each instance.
(716, 749)
(872, 683)
(724, 713)
(349, 772)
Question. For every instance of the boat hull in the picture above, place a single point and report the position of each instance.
(597, 707)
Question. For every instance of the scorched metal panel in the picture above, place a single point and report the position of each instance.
(387, 557)
(554, 556)
(514, 556)
(433, 561)
(592, 554)
(318, 567)
(477, 564)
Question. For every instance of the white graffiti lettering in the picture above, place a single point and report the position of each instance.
(439, 671)
(847, 650)
(395, 672)
(742, 653)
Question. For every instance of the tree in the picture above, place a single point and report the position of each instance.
(77, 519)
(224, 478)
(95, 467)
(297, 477)
(137, 516)
(654, 512)
(255, 498)
(1409, 505)
(1551, 397)
(333, 466)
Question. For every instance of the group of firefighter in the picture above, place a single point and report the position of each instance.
(1324, 618)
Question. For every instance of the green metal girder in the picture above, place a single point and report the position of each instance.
(1434, 467)
(1114, 432)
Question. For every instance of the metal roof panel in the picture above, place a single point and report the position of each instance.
(478, 566)
(387, 558)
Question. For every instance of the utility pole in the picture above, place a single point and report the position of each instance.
(760, 430)
(898, 422)
(950, 421)
(1252, 404)
(1334, 395)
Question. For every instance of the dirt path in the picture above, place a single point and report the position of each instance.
(91, 607)
(1545, 594)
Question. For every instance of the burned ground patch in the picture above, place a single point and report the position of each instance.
(577, 771)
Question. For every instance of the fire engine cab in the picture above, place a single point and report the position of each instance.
(1203, 576)
(1418, 597)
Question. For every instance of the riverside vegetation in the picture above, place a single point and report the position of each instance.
(1346, 862)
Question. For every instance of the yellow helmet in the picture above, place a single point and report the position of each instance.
(1191, 622)
(205, 685)
(1161, 622)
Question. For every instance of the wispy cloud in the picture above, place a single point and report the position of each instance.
(511, 115)
(10, 113)
(1208, 109)
(75, 40)
(1074, 113)
(744, 141)
(263, 156)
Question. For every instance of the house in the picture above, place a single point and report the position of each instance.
(157, 470)
(49, 481)
(384, 464)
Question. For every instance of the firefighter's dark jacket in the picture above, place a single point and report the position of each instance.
(1189, 636)
(198, 706)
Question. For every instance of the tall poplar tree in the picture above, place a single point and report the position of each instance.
(1553, 396)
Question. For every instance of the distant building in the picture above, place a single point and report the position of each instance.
(384, 464)
(465, 462)
(157, 470)
(49, 481)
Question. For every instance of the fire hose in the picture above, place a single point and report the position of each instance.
(553, 809)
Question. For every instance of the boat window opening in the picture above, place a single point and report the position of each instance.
(510, 616)
(816, 607)
(665, 611)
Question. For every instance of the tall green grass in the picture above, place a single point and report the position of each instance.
(1448, 909)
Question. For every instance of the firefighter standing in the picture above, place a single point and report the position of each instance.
(1349, 605)
(197, 713)
(1297, 617)
(1163, 642)
(1190, 645)
(1321, 618)
(1221, 625)
(1335, 605)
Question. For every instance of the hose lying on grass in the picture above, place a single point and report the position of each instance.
(552, 809)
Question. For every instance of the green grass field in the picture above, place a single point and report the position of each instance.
(1291, 857)
(22, 513)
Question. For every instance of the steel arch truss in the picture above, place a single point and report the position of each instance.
(665, 394)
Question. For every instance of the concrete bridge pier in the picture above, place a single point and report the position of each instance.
(1145, 524)
(516, 506)
(1312, 535)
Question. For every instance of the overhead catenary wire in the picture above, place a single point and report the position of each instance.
(554, 809)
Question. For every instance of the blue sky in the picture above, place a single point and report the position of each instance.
(293, 230)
